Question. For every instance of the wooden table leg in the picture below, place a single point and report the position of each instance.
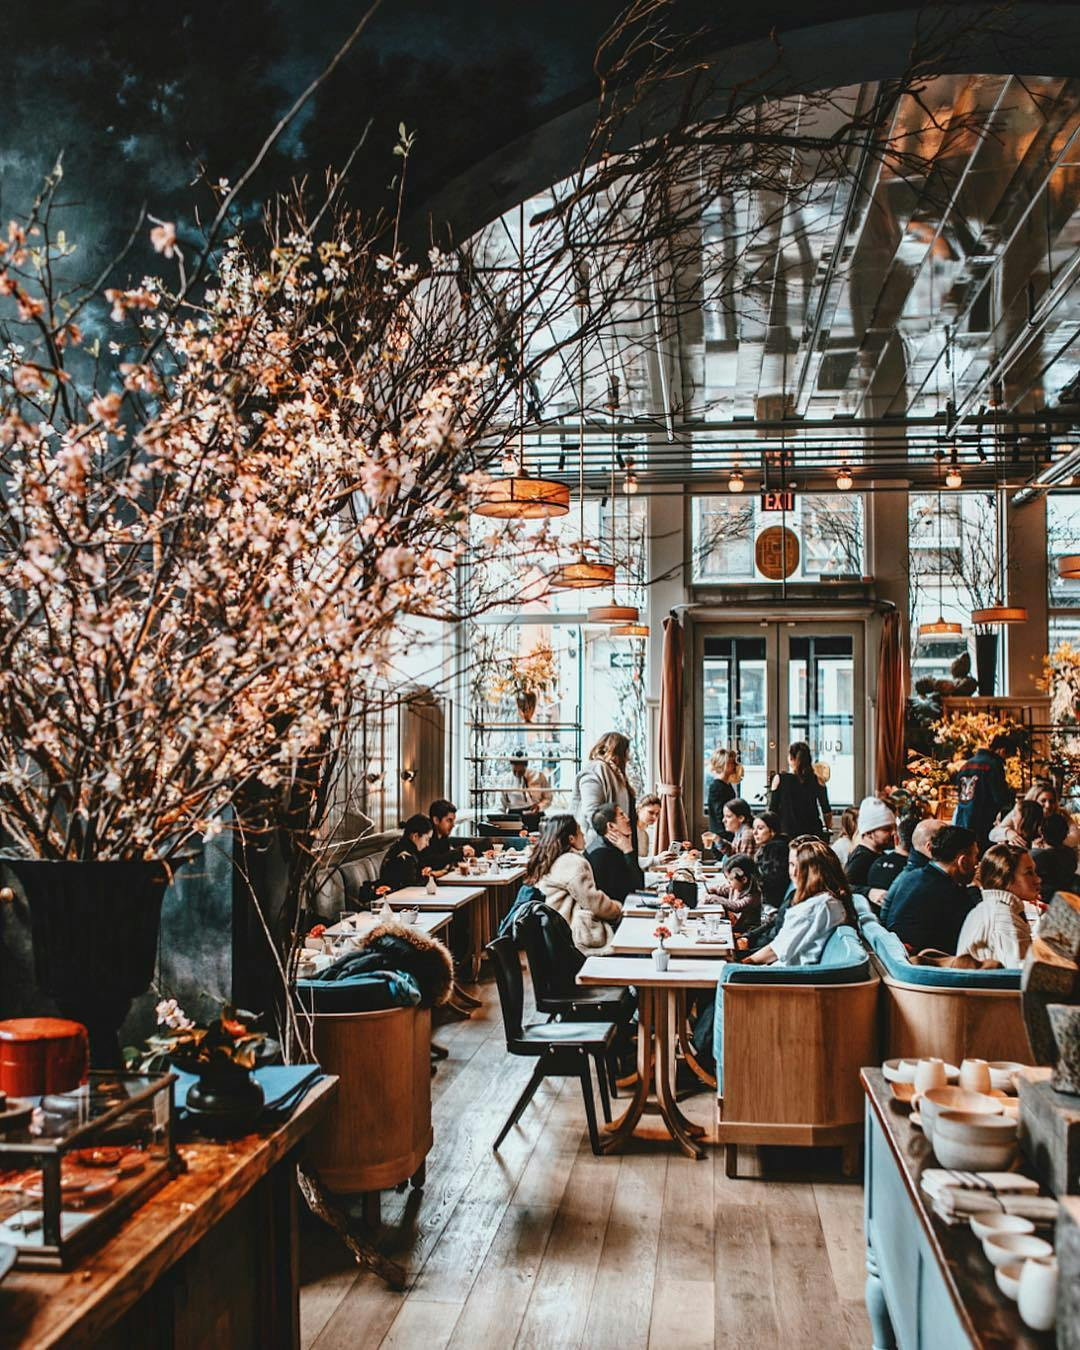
(685, 1133)
(615, 1137)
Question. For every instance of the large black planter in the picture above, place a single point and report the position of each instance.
(95, 930)
(986, 657)
(225, 1102)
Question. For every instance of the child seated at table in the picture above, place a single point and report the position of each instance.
(743, 898)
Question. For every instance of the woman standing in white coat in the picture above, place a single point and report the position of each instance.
(560, 871)
(603, 779)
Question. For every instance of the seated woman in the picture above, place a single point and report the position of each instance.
(738, 822)
(771, 856)
(559, 869)
(743, 898)
(821, 903)
(997, 929)
(1020, 827)
(845, 840)
(401, 865)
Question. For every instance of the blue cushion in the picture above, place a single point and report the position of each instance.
(863, 908)
(844, 961)
(892, 954)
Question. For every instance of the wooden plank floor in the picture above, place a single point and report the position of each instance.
(543, 1245)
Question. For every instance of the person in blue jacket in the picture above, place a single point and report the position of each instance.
(982, 791)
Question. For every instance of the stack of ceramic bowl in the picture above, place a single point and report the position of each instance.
(1025, 1267)
(955, 1101)
(980, 1140)
(909, 1077)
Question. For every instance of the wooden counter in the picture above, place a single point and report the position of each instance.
(928, 1282)
(210, 1259)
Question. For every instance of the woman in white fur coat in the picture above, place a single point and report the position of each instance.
(560, 871)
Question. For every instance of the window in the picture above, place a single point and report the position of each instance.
(952, 563)
(1063, 537)
(828, 525)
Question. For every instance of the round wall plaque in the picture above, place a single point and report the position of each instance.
(776, 552)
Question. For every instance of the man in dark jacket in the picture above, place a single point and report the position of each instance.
(611, 855)
(918, 858)
(982, 793)
(927, 905)
(443, 854)
(884, 871)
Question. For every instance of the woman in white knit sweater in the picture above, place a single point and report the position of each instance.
(997, 928)
(561, 872)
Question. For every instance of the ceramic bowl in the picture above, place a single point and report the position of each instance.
(1008, 1278)
(1003, 1074)
(974, 1127)
(1003, 1248)
(994, 1221)
(932, 1103)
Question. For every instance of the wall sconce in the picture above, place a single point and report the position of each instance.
(407, 775)
(373, 778)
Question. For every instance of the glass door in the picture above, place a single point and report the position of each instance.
(758, 687)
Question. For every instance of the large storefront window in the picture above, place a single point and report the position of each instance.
(952, 562)
(1062, 538)
(729, 537)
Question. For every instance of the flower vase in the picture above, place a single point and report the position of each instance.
(526, 704)
(95, 934)
(661, 956)
(431, 888)
(225, 1102)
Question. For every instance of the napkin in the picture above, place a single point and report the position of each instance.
(957, 1195)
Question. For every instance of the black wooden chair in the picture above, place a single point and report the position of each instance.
(561, 1049)
(554, 962)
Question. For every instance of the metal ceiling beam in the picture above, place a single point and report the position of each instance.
(891, 302)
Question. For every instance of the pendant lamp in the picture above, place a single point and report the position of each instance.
(1068, 567)
(631, 630)
(519, 496)
(584, 573)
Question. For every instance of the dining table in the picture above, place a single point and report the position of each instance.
(637, 937)
(501, 882)
(469, 900)
(660, 1030)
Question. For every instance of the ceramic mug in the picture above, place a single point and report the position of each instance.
(1037, 1296)
(975, 1075)
(40, 1055)
(929, 1074)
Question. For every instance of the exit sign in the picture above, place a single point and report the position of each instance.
(777, 501)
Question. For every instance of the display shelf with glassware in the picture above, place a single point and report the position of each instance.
(552, 748)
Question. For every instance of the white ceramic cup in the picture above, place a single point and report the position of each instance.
(929, 1074)
(1037, 1296)
(975, 1075)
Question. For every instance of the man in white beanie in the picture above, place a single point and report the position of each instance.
(876, 831)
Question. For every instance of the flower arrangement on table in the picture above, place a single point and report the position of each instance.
(661, 932)
(526, 676)
(231, 1039)
(962, 733)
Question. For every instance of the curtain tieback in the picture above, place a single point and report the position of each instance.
(670, 790)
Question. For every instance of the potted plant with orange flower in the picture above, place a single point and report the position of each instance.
(661, 955)
(226, 1100)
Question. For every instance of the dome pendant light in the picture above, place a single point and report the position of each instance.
(1068, 567)
(517, 495)
(844, 480)
(583, 573)
(613, 613)
(631, 630)
(736, 482)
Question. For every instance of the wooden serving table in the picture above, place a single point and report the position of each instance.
(928, 1283)
(660, 1025)
(210, 1259)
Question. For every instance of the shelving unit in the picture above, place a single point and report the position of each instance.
(553, 747)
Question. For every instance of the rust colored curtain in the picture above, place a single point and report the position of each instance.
(891, 704)
(672, 822)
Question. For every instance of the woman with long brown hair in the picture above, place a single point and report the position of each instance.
(821, 903)
(561, 872)
(603, 779)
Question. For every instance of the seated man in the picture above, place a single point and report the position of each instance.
(527, 790)
(884, 871)
(613, 862)
(442, 854)
(1054, 861)
(928, 905)
(918, 857)
(875, 832)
